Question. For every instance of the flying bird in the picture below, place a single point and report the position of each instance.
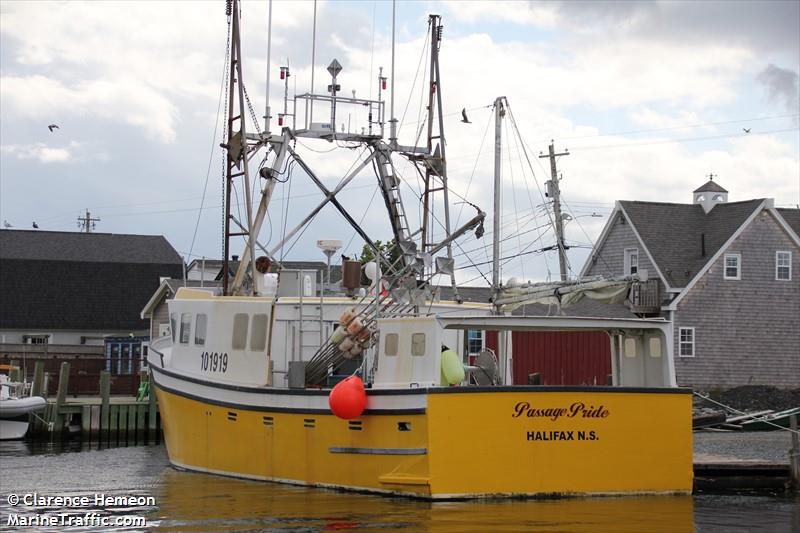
(52, 127)
(747, 130)
(35, 225)
(464, 118)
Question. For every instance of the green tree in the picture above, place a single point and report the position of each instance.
(387, 249)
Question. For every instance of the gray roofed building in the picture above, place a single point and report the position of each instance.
(726, 276)
(682, 237)
(792, 217)
(68, 284)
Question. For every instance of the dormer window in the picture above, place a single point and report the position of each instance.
(718, 198)
(700, 198)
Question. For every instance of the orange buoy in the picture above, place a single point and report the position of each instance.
(348, 398)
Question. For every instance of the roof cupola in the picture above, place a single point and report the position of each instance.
(709, 194)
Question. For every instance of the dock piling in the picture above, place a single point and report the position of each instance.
(105, 393)
(14, 371)
(152, 415)
(61, 397)
(794, 453)
(37, 389)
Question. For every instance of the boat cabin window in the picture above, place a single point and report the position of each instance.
(173, 325)
(630, 347)
(186, 326)
(655, 347)
(258, 333)
(418, 344)
(240, 331)
(200, 329)
(390, 344)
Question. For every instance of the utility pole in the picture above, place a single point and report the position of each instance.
(554, 190)
(86, 223)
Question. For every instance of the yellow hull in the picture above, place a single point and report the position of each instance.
(466, 442)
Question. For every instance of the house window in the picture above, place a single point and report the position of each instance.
(35, 339)
(631, 261)
(783, 266)
(418, 344)
(186, 327)
(258, 333)
(686, 342)
(733, 269)
(390, 345)
(474, 341)
(200, 329)
(239, 340)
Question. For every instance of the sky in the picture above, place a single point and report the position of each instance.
(649, 99)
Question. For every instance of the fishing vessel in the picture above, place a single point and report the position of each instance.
(385, 398)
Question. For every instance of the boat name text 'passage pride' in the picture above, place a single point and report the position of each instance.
(554, 413)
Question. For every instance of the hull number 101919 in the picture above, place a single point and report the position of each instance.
(214, 361)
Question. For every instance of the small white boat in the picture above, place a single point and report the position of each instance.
(15, 408)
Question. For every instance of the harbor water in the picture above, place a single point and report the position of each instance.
(134, 489)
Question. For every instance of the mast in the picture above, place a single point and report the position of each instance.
(268, 117)
(499, 113)
(237, 155)
(392, 120)
(436, 160)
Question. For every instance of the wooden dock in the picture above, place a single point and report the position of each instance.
(739, 475)
(103, 418)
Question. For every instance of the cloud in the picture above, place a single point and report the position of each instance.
(37, 151)
(126, 100)
(782, 85)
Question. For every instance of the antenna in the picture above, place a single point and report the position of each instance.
(268, 116)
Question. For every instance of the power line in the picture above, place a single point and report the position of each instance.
(685, 139)
(672, 128)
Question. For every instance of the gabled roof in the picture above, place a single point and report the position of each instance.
(710, 186)
(674, 234)
(792, 218)
(210, 264)
(168, 288)
(80, 281)
(87, 247)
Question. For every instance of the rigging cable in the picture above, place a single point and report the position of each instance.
(423, 55)
(530, 166)
(224, 159)
(477, 160)
(516, 208)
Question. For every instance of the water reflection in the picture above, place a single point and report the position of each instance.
(187, 501)
(198, 502)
